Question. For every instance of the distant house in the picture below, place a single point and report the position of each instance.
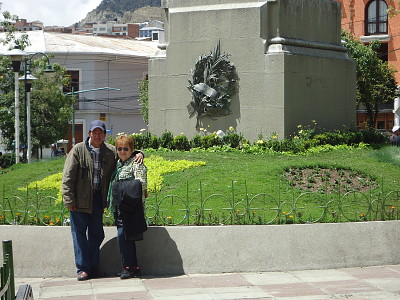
(112, 28)
(23, 25)
(59, 29)
(154, 30)
(95, 62)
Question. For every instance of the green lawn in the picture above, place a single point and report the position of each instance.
(240, 188)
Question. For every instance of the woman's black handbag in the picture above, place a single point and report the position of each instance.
(127, 194)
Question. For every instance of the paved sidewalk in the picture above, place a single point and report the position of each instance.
(377, 283)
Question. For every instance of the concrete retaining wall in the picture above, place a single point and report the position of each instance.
(47, 251)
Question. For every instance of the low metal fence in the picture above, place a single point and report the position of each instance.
(284, 207)
(7, 285)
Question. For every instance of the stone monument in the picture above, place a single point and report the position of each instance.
(284, 62)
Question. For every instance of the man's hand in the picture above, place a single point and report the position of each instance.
(138, 158)
(71, 207)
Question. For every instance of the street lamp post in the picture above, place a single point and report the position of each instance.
(28, 78)
(16, 56)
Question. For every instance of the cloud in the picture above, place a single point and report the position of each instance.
(50, 12)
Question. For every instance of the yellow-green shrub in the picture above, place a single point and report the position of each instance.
(157, 167)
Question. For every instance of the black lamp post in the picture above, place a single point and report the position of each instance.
(28, 79)
(16, 55)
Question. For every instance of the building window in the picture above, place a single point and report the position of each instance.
(383, 51)
(74, 84)
(376, 18)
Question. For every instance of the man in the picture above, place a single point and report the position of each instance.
(55, 151)
(395, 137)
(86, 177)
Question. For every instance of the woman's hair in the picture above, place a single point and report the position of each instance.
(124, 139)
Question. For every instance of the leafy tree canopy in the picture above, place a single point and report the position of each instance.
(376, 83)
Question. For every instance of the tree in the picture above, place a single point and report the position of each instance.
(376, 84)
(144, 98)
(51, 110)
(10, 38)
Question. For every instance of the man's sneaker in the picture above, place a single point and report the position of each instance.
(82, 276)
(125, 274)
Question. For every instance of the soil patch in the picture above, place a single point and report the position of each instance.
(329, 180)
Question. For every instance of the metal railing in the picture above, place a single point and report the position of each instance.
(7, 285)
(231, 208)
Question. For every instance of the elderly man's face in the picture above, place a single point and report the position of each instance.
(97, 137)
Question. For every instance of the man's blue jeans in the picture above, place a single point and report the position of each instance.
(127, 250)
(87, 235)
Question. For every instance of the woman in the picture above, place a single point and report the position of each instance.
(128, 211)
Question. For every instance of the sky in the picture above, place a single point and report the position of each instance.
(50, 12)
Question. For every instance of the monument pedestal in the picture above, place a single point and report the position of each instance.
(291, 66)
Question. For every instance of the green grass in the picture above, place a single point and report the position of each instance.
(230, 179)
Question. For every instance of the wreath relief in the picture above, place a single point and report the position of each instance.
(214, 83)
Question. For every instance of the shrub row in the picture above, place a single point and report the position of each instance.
(304, 139)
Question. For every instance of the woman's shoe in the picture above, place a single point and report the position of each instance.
(130, 273)
(135, 273)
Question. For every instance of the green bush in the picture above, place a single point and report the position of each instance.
(150, 140)
(232, 139)
(154, 142)
(196, 141)
(350, 137)
(181, 143)
(7, 160)
(167, 140)
(138, 141)
(210, 140)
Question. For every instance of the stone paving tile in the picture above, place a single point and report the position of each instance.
(181, 293)
(372, 272)
(292, 290)
(124, 296)
(346, 287)
(116, 285)
(271, 278)
(387, 284)
(363, 296)
(308, 297)
(233, 280)
(393, 267)
(170, 283)
(76, 289)
(242, 292)
(322, 275)
(62, 282)
(79, 297)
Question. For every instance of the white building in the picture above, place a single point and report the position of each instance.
(110, 28)
(95, 62)
(153, 30)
